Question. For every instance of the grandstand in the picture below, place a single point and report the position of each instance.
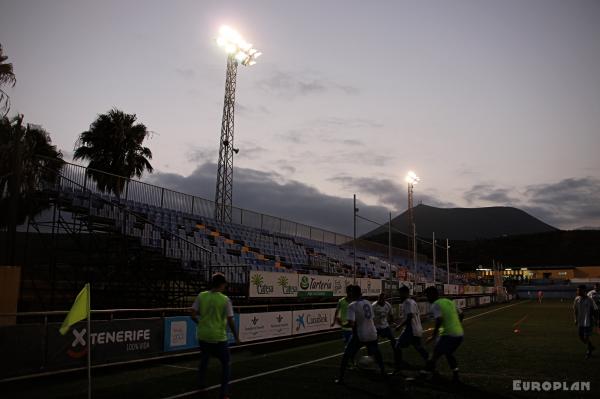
(175, 232)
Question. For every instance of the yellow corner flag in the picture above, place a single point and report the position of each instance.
(79, 311)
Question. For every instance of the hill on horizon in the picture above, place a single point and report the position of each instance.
(467, 223)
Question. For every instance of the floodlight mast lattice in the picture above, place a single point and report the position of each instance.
(412, 179)
(238, 52)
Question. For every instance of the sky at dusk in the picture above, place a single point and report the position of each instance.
(492, 103)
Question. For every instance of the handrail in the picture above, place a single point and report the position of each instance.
(136, 214)
(204, 199)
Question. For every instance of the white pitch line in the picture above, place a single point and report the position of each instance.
(180, 367)
(495, 310)
(251, 377)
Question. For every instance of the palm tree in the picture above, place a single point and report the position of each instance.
(113, 144)
(28, 161)
(7, 77)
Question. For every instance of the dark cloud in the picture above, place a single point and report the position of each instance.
(567, 204)
(290, 85)
(387, 192)
(490, 193)
(270, 193)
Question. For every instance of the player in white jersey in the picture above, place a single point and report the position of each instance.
(584, 312)
(360, 317)
(595, 296)
(413, 331)
(383, 315)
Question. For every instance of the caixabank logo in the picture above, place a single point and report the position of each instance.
(312, 320)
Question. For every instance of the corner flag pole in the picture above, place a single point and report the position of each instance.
(89, 341)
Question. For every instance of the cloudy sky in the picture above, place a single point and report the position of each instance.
(490, 102)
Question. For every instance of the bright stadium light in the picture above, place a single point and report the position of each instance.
(412, 178)
(233, 43)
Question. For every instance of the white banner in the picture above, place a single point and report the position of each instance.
(273, 285)
(311, 320)
(370, 286)
(256, 326)
(484, 300)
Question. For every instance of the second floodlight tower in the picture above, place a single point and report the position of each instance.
(412, 179)
(238, 52)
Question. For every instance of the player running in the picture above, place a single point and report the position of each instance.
(341, 316)
(360, 318)
(212, 311)
(595, 295)
(540, 295)
(448, 327)
(412, 332)
(383, 315)
(584, 311)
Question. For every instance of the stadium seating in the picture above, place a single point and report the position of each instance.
(237, 245)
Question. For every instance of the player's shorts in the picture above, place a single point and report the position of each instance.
(585, 332)
(447, 344)
(346, 335)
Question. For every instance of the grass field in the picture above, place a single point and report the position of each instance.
(491, 357)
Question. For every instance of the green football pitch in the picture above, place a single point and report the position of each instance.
(545, 348)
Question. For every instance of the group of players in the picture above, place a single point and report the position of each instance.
(363, 322)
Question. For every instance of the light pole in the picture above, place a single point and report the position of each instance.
(434, 267)
(412, 179)
(238, 52)
(354, 241)
(448, 260)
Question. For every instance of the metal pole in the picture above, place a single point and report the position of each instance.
(390, 238)
(354, 240)
(448, 260)
(89, 341)
(414, 252)
(434, 264)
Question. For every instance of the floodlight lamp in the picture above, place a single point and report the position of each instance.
(412, 178)
(236, 46)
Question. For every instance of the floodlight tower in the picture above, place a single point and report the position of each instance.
(412, 179)
(238, 52)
